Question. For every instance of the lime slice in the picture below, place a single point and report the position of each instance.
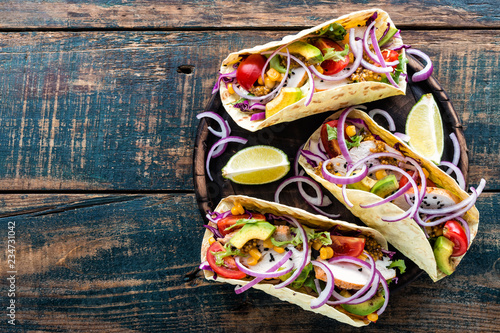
(256, 165)
(425, 129)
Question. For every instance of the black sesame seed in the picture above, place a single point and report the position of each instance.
(439, 202)
(287, 249)
(360, 269)
(322, 81)
(434, 197)
(272, 257)
(266, 249)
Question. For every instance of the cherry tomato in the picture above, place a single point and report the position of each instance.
(403, 181)
(347, 246)
(331, 146)
(390, 56)
(250, 69)
(228, 221)
(454, 232)
(330, 66)
(231, 271)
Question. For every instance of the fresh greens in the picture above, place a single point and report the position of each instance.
(332, 54)
(398, 70)
(323, 236)
(303, 279)
(229, 251)
(332, 135)
(332, 132)
(400, 264)
(334, 31)
(242, 222)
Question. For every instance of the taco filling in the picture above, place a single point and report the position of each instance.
(343, 268)
(348, 155)
(361, 47)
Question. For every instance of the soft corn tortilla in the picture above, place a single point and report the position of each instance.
(405, 235)
(333, 99)
(305, 218)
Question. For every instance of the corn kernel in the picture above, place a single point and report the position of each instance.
(326, 252)
(252, 261)
(211, 240)
(319, 69)
(379, 174)
(230, 88)
(255, 253)
(351, 130)
(372, 317)
(351, 57)
(317, 245)
(259, 80)
(274, 74)
(269, 83)
(268, 243)
(362, 256)
(278, 249)
(237, 209)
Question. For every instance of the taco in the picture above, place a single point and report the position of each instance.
(330, 267)
(419, 208)
(342, 62)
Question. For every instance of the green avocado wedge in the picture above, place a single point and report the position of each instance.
(260, 230)
(443, 248)
(365, 308)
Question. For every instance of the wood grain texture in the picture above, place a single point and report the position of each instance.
(143, 14)
(127, 263)
(116, 110)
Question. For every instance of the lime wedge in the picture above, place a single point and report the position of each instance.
(425, 129)
(256, 165)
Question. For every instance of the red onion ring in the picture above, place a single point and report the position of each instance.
(221, 76)
(265, 275)
(305, 252)
(386, 115)
(366, 47)
(218, 143)
(402, 136)
(343, 180)
(425, 73)
(340, 135)
(458, 173)
(456, 152)
(466, 228)
(318, 201)
(224, 132)
(381, 57)
(329, 288)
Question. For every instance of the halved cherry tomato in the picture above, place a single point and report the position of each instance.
(249, 70)
(454, 232)
(231, 271)
(347, 246)
(332, 146)
(228, 221)
(403, 181)
(330, 66)
(390, 56)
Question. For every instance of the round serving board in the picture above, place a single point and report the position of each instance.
(290, 136)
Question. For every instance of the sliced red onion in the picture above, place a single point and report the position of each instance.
(258, 116)
(318, 201)
(386, 115)
(305, 253)
(423, 178)
(310, 156)
(458, 173)
(329, 288)
(385, 32)
(386, 294)
(369, 52)
(466, 228)
(343, 179)
(381, 57)
(265, 275)
(456, 152)
(218, 143)
(340, 135)
(273, 54)
(425, 73)
(240, 289)
(213, 230)
(205, 266)
(357, 51)
(402, 136)
(377, 69)
(224, 132)
(221, 76)
(257, 106)
(397, 48)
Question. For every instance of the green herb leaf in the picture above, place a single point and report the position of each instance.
(229, 251)
(356, 140)
(332, 54)
(400, 264)
(334, 31)
(332, 132)
(398, 70)
(242, 221)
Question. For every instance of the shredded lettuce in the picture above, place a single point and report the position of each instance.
(242, 221)
(332, 135)
(334, 31)
(323, 236)
(303, 279)
(398, 70)
(400, 264)
(332, 54)
(229, 251)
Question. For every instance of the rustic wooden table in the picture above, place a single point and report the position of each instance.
(97, 127)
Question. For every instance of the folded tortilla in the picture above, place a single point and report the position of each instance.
(305, 218)
(405, 235)
(335, 98)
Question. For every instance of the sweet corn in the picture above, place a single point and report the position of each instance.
(278, 249)
(252, 261)
(259, 80)
(255, 253)
(338, 174)
(268, 243)
(319, 69)
(237, 209)
(362, 256)
(274, 74)
(230, 88)
(269, 83)
(326, 252)
(211, 240)
(317, 245)
(379, 174)
(351, 57)
(372, 317)
(351, 130)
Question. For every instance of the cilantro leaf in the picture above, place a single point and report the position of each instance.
(400, 264)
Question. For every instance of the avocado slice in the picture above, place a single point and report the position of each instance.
(365, 308)
(443, 248)
(385, 186)
(366, 184)
(392, 31)
(286, 97)
(258, 230)
(311, 53)
(275, 63)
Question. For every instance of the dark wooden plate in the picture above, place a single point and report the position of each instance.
(290, 136)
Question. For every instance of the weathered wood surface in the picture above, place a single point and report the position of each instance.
(116, 110)
(157, 14)
(127, 263)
